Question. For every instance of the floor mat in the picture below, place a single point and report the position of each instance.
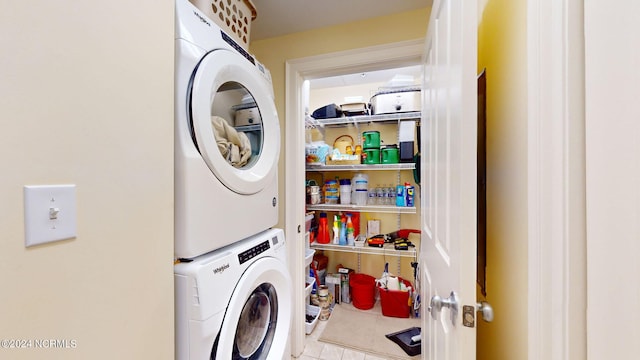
(365, 331)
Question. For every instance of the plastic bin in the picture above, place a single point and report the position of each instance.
(314, 311)
(233, 16)
(363, 288)
(310, 281)
(395, 303)
(308, 256)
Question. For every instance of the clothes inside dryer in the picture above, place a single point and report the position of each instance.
(237, 124)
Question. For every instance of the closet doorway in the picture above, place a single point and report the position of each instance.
(388, 56)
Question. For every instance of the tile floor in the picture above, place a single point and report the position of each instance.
(316, 350)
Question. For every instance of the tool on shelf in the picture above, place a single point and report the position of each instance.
(392, 237)
(402, 244)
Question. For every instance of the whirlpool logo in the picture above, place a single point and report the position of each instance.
(221, 269)
(201, 18)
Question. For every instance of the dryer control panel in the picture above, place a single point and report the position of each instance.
(253, 252)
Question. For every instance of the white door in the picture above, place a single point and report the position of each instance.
(448, 190)
(612, 179)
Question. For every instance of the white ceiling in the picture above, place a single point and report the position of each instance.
(281, 17)
(381, 76)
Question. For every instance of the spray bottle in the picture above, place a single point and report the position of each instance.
(336, 230)
(350, 231)
(343, 231)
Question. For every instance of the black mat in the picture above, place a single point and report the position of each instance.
(403, 338)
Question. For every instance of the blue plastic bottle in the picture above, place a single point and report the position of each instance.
(401, 193)
(343, 231)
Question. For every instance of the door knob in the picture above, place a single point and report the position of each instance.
(437, 303)
(485, 310)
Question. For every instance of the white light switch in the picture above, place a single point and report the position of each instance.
(49, 213)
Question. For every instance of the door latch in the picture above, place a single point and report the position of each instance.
(469, 313)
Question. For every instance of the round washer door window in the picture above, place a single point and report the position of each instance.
(235, 123)
(256, 324)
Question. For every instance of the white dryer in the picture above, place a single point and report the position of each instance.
(227, 138)
(235, 302)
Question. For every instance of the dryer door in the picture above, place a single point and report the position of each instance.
(234, 122)
(258, 318)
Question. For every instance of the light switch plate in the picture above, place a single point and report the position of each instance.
(50, 213)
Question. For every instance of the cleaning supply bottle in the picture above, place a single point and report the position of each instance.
(343, 231)
(401, 194)
(350, 231)
(323, 229)
(410, 195)
(336, 230)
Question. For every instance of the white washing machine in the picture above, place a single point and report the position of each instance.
(227, 138)
(235, 302)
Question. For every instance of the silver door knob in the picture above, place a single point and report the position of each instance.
(437, 303)
(485, 310)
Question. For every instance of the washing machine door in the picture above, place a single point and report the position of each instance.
(234, 122)
(258, 318)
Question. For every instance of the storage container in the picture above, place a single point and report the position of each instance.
(363, 288)
(395, 303)
(389, 154)
(371, 156)
(359, 189)
(313, 312)
(310, 282)
(396, 100)
(371, 140)
(233, 16)
(248, 116)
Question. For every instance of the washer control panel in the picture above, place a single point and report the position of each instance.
(253, 252)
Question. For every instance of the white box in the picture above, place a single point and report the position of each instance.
(389, 102)
(373, 228)
(248, 116)
(333, 283)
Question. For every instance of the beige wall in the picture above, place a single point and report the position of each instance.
(87, 99)
(276, 51)
(502, 51)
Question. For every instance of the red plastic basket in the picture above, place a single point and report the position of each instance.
(395, 303)
(363, 288)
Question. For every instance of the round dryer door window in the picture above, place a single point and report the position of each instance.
(234, 121)
(257, 321)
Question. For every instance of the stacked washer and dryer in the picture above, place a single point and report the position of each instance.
(232, 285)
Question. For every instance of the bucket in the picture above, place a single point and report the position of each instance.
(390, 154)
(344, 144)
(363, 288)
(395, 303)
(371, 140)
(371, 156)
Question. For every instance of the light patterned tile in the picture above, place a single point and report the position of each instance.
(349, 354)
(331, 352)
(305, 357)
(371, 357)
(312, 348)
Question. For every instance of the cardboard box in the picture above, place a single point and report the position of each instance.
(345, 295)
(333, 283)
